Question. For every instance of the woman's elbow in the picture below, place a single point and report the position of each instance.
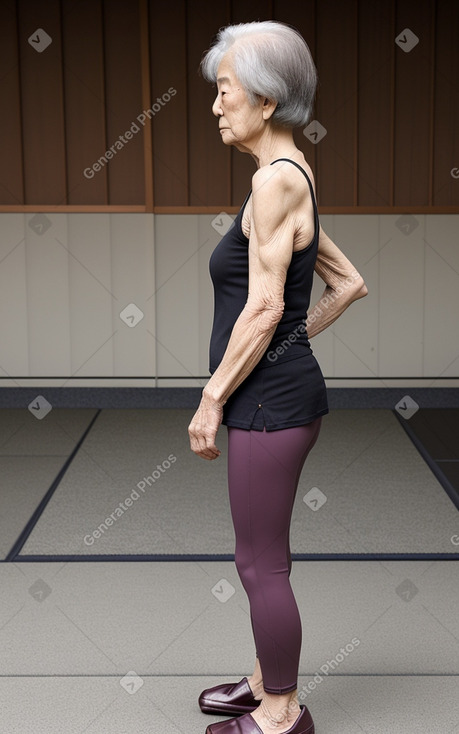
(359, 289)
(265, 314)
(363, 291)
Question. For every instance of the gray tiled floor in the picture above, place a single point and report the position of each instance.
(70, 632)
(168, 705)
(381, 496)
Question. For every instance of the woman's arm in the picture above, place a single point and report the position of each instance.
(270, 252)
(343, 286)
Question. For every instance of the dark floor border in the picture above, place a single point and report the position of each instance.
(23, 536)
(189, 397)
(450, 490)
(230, 557)
(339, 398)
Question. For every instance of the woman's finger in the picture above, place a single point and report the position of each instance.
(203, 445)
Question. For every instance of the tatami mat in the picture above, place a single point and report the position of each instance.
(438, 430)
(435, 431)
(24, 483)
(32, 453)
(168, 705)
(57, 433)
(71, 632)
(378, 495)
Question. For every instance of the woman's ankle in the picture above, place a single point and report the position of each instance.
(256, 686)
(281, 708)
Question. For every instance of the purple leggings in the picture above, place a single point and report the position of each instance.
(264, 468)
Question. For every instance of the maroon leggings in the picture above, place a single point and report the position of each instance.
(264, 468)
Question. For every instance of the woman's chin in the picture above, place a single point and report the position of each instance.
(227, 136)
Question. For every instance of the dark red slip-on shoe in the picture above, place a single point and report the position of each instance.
(228, 698)
(247, 725)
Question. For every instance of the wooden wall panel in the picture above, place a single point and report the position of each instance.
(169, 127)
(336, 59)
(412, 105)
(11, 182)
(123, 95)
(303, 18)
(446, 119)
(375, 139)
(392, 118)
(83, 67)
(42, 100)
(243, 165)
(209, 159)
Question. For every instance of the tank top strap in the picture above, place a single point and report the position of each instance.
(314, 203)
(245, 200)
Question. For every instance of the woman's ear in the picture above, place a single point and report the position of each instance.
(268, 108)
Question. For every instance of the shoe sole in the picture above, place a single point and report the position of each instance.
(311, 729)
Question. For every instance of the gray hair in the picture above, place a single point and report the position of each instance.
(270, 59)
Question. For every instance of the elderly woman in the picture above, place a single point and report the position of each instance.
(266, 386)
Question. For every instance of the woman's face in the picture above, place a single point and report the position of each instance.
(239, 121)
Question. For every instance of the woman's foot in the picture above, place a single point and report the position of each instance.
(276, 713)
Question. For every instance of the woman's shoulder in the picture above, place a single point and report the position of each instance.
(290, 164)
(292, 185)
(287, 174)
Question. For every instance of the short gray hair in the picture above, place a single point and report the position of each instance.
(271, 59)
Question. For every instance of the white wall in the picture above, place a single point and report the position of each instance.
(61, 293)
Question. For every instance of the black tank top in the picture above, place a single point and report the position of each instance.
(229, 271)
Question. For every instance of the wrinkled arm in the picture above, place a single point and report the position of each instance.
(270, 253)
(343, 286)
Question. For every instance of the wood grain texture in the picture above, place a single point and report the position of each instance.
(42, 104)
(11, 152)
(376, 48)
(83, 69)
(209, 161)
(392, 117)
(123, 93)
(170, 140)
(336, 60)
(412, 98)
(445, 188)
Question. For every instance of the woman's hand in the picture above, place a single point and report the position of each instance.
(204, 426)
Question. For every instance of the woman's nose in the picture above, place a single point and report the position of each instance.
(216, 107)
